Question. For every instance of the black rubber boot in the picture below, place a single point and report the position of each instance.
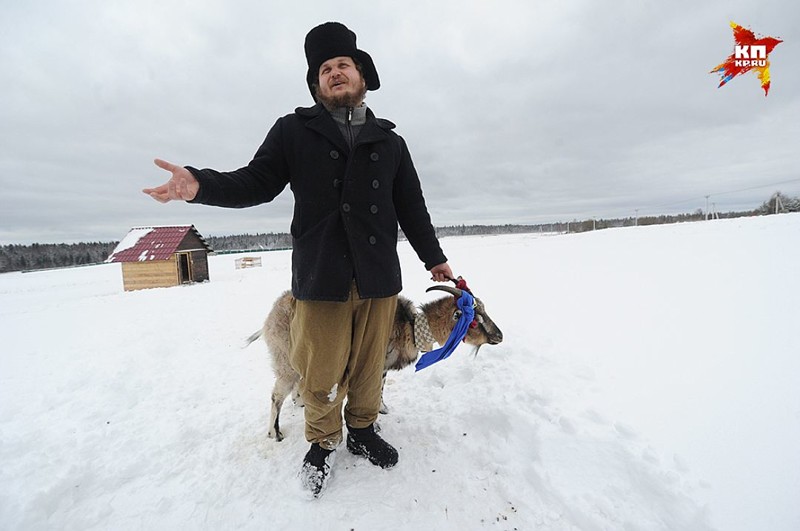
(316, 469)
(364, 441)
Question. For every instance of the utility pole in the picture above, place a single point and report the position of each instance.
(707, 207)
(636, 220)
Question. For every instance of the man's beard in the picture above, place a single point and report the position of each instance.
(341, 100)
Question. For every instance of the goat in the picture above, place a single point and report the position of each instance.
(435, 320)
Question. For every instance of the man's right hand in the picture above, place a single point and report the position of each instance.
(182, 185)
(442, 272)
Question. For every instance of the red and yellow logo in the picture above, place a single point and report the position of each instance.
(749, 53)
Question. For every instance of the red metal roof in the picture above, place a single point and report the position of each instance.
(143, 244)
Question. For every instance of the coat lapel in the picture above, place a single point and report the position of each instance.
(374, 130)
(322, 123)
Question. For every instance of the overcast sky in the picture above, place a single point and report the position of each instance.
(514, 112)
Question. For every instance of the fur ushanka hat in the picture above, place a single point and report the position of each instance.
(333, 39)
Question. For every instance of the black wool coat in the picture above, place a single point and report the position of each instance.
(347, 203)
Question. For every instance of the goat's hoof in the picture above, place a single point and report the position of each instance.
(273, 435)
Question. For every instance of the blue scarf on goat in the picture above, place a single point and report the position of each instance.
(465, 303)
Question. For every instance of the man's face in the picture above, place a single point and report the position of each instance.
(340, 83)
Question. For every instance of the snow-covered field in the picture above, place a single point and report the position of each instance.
(648, 380)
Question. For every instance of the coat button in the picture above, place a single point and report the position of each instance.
(334, 154)
(376, 184)
(346, 207)
(373, 209)
(374, 157)
(373, 240)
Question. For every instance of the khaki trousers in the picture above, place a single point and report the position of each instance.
(339, 348)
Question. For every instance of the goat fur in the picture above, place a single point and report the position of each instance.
(401, 350)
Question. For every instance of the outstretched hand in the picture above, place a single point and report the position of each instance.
(182, 185)
(441, 273)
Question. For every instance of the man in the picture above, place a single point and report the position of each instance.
(353, 182)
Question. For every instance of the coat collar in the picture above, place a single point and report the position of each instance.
(320, 120)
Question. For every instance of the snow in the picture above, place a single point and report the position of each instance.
(130, 241)
(647, 380)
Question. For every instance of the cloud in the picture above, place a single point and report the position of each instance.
(514, 111)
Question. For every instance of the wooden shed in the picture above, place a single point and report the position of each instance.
(158, 257)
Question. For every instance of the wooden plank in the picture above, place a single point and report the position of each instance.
(154, 274)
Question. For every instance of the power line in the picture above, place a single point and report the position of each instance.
(673, 203)
(621, 212)
(758, 187)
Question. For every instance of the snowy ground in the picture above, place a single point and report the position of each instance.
(648, 380)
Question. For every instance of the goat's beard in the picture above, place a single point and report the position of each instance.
(475, 351)
(342, 100)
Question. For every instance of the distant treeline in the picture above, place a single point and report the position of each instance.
(52, 255)
(56, 255)
(251, 242)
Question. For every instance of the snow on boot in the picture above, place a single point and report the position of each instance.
(364, 441)
(316, 469)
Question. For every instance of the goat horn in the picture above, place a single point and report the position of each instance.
(449, 289)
